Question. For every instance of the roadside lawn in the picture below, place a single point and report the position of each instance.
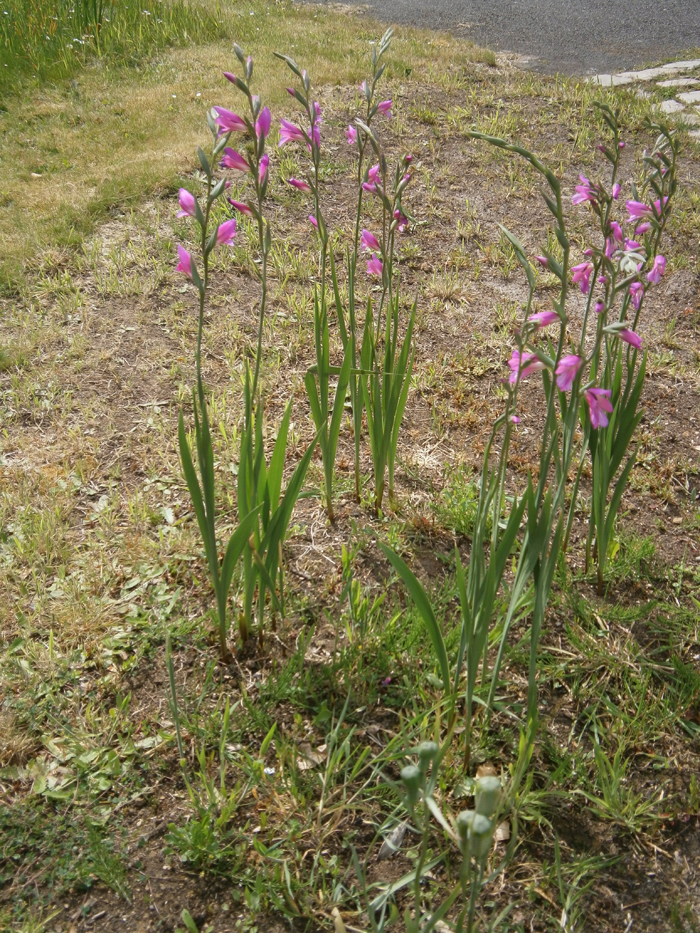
(100, 554)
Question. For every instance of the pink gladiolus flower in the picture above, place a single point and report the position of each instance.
(369, 242)
(373, 173)
(289, 133)
(640, 211)
(230, 77)
(566, 371)
(229, 122)
(582, 275)
(632, 244)
(657, 270)
(226, 232)
(402, 221)
(621, 145)
(588, 252)
(299, 184)
(616, 189)
(263, 167)
(351, 134)
(543, 261)
(544, 318)
(263, 123)
(185, 264)
(384, 107)
(243, 208)
(187, 203)
(599, 406)
(515, 419)
(630, 337)
(637, 293)
(526, 363)
(642, 229)
(374, 266)
(586, 191)
(617, 231)
(233, 159)
(609, 248)
(313, 220)
(364, 87)
(599, 307)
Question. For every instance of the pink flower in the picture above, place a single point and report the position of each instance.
(185, 264)
(629, 336)
(263, 123)
(599, 406)
(374, 266)
(617, 231)
(640, 211)
(187, 203)
(229, 122)
(313, 220)
(609, 248)
(543, 261)
(525, 363)
(243, 208)
(401, 221)
(582, 275)
(637, 293)
(233, 159)
(566, 371)
(632, 244)
(637, 210)
(370, 242)
(544, 318)
(599, 307)
(289, 133)
(364, 87)
(351, 134)
(620, 145)
(263, 167)
(586, 191)
(299, 184)
(642, 229)
(657, 270)
(616, 189)
(384, 107)
(226, 232)
(515, 419)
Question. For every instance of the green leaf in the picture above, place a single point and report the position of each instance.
(424, 607)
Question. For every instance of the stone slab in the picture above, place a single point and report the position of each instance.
(646, 74)
(678, 82)
(671, 106)
(690, 97)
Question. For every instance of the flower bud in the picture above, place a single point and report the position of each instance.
(426, 752)
(487, 795)
(480, 836)
(464, 826)
(412, 779)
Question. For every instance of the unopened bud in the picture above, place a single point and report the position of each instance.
(487, 795)
(464, 826)
(480, 836)
(426, 752)
(412, 778)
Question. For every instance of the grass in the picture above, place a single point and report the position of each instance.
(99, 556)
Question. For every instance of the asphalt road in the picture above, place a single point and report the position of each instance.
(569, 36)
